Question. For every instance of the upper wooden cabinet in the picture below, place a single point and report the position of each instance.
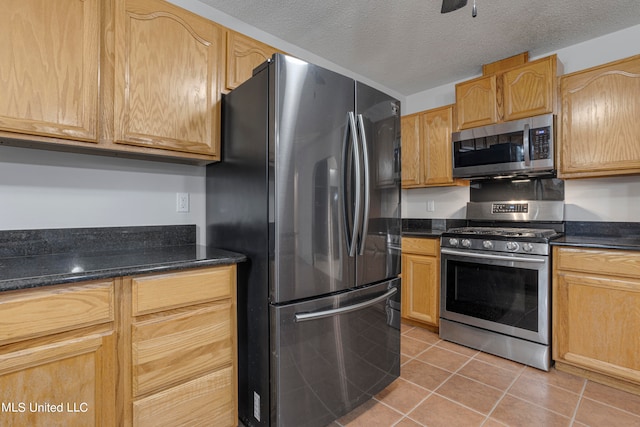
(49, 59)
(243, 55)
(523, 91)
(477, 102)
(411, 151)
(426, 148)
(166, 77)
(599, 120)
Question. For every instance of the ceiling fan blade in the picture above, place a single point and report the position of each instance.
(451, 5)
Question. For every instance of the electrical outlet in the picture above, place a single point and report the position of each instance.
(182, 202)
(431, 205)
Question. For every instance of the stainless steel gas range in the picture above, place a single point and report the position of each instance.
(495, 277)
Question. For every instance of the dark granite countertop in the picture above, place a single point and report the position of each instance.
(428, 227)
(599, 242)
(42, 270)
(601, 235)
(33, 258)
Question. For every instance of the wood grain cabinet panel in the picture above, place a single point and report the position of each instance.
(426, 148)
(179, 348)
(421, 280)
(476, 103)
(74, 376)
(523, 91)
(411, 153)
(58, 348)
(205, 401)
(44, 311)
(243, 55)
(201, 340)
(49, 59)
(167, 90)
(158, 292)
(599, 120)
(596, 314)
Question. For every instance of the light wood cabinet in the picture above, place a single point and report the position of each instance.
(49, 59)
(243, 55)
(477, 102)
(596, 314)
(57, 356)
(421, 280)
(426, 148)
(180, 348)
(523, 91)
(599, 120)
(167, 87)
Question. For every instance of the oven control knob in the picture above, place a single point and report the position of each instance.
(512, 246)
(453, 241)
(527, 247)
(466, 243)
(487, 244)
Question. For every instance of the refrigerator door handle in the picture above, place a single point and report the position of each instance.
(352, 247)
(303, 317)
(367, 185)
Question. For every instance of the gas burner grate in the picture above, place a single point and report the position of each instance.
(505, 232)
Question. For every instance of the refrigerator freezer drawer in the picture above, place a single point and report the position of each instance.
(331, 354)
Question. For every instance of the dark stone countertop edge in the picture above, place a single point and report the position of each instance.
(223, 258)
(423, 233)
(599, 242)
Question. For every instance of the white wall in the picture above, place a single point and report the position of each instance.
(48, 189)
(602, 199)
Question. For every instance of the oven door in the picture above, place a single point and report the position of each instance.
(501, 292)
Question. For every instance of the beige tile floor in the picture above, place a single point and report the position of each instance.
(444, 384)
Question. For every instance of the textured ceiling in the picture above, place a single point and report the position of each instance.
(409, 46)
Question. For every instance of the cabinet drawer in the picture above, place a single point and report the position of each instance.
(424, 246)
(204, 401)
(161, 292)
(37, 312)
(604, 262)
(174, 348)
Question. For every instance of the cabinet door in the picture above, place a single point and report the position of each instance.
(599, 120)
(436, 129)
(476, 102)
(421, 288)
(530, 90)
(68, 382)
(49, 68)
(166, 83)
(243, 55)
(596, 300)
(411, 151)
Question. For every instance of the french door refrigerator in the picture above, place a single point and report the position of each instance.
(309, 189)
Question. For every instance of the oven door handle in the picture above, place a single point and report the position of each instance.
(491, 256)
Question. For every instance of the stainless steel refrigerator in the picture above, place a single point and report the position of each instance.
(309, 189)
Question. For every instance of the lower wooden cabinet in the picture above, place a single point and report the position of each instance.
(57, 356)
(152, 350)
(421, 280)
(596, 314)
(179, 348)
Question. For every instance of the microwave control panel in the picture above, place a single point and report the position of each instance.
(540, 142)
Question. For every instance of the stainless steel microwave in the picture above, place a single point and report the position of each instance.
(518, 148)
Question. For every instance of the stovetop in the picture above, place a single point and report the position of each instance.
(538, 234)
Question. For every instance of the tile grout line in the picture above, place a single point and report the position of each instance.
(506, 391)
(581, 396)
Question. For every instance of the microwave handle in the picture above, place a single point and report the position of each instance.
(525, 142)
